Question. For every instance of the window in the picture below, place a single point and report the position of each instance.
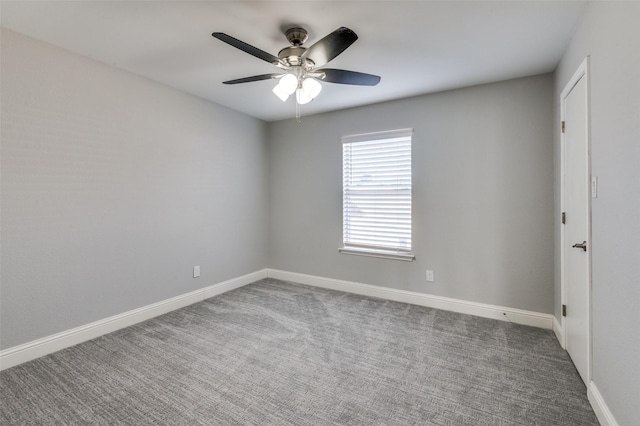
(376, 188)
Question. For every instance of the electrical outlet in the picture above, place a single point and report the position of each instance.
(429, 276)
(196, 271)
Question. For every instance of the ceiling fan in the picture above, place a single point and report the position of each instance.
(300, 65)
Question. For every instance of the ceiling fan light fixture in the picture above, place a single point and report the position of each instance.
(280, 93)
(312, 87)
(288, 84)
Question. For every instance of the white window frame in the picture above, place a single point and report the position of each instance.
(356, 244)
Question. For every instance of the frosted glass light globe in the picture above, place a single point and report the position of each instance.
(302, 96)
(312, 87)
(288, 84)
(280, 93)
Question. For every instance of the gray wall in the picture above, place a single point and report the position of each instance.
(113, 188)
(482, 194)
(610, 34)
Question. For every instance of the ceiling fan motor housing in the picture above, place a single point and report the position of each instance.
(292, 56)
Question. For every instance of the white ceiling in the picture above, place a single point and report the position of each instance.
(417, 47)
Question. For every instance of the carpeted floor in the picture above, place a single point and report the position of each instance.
(282, 353)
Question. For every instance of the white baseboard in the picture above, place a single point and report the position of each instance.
(604, 415)
(518, 316)
(558, 329)
(47, 345)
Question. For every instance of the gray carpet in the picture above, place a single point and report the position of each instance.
(282, 353)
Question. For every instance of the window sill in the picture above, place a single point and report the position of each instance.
(393, 255)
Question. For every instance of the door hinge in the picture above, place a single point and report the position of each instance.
(564, 218)
(564, 310)
(563, 128)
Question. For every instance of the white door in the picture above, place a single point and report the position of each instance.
(576, 229)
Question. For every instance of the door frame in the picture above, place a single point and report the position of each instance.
(581, 72)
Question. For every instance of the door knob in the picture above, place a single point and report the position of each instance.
(583, 246)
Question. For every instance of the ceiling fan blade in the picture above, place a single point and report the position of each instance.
(252, 78)
(330, 46)
(349, 77)
(251, 50)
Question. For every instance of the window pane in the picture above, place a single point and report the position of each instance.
(377, 191)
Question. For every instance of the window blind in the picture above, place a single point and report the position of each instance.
(377, 191)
